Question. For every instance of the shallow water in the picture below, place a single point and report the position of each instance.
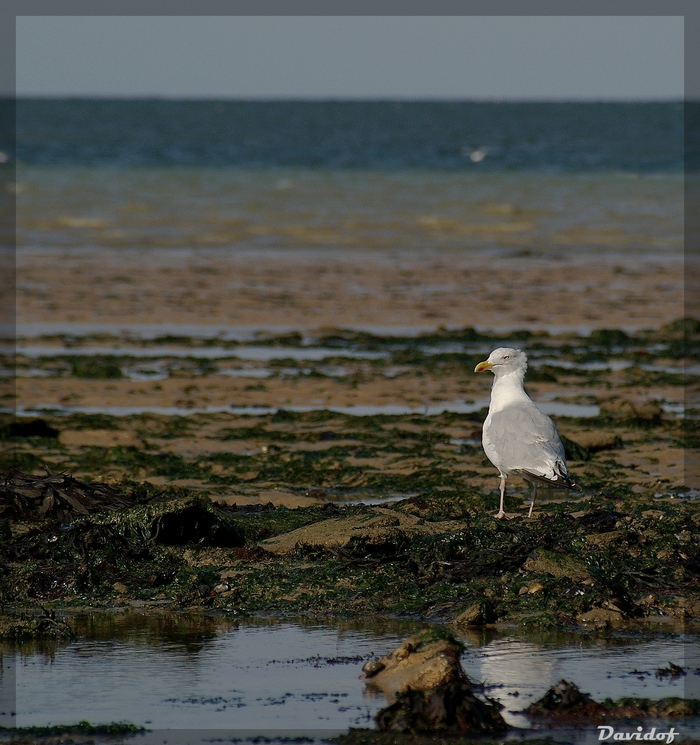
(179, 672)
(551, 408)
(250, 333)
(602, 667)
(615, 365)
(246, 677)
(261, 354)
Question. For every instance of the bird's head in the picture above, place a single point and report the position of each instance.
(504, 360)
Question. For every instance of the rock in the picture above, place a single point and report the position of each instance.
(565, 700)
(32, 428)
(600, 615)
(270, 496)
(681, 328)
(423, 661)
(558, 565)
(530, 588)
(595, 441)
(103, 438)
(372, 667)
(380, 524)
(604, 539)
(574, 450)
(430, 691)
(447, 710)
(623, 408)
(476, 615)
(608, 337)
(691, 608)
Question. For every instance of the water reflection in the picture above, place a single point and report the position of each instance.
(195, 671)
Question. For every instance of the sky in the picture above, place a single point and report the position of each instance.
(350, 57)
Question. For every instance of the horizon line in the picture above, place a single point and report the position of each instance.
(338, 99)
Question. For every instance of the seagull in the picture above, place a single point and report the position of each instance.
(517, 437)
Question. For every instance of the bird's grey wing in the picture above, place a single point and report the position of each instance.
(526, 440)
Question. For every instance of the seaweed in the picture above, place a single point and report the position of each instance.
(97, 367)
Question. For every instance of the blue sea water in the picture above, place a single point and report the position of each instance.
(374, 135)
(350, 175)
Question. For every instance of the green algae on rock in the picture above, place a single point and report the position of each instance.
(566, 704)
(433, 557)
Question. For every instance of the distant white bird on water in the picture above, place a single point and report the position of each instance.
(517, 437)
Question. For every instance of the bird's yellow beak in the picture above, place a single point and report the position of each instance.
(482, 366)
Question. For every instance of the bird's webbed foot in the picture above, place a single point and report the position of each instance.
(502, 516)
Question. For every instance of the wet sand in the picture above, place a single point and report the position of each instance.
(311, 289)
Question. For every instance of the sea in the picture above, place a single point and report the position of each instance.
(349, 175)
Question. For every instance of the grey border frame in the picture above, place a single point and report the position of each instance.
(689, 9)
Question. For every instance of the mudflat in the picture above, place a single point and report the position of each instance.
(306, 412)
(328, 288)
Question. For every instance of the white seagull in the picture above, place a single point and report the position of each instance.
(517, 437)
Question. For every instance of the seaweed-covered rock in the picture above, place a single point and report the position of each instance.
(450, 709)
(565, 700)
(558, 565)
(431, 692)
(574, 450)
(643, 708)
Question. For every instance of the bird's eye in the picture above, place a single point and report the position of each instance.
(507, 357)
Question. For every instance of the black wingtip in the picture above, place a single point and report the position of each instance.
(561, 482)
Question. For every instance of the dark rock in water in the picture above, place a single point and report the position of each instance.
(566, 704)
(450, 709)
(564, 699)
(430, 691)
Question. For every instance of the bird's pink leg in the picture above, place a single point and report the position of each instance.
(534, 496)
(501, 513)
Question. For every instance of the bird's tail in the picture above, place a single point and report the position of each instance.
(562, 480)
